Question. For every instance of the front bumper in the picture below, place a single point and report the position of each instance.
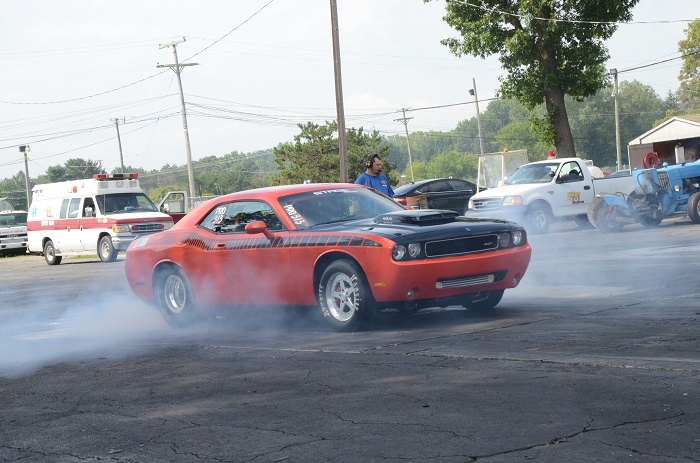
(446, 277)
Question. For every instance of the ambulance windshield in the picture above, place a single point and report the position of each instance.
(118, 203)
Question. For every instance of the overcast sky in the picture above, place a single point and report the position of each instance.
(69, 68)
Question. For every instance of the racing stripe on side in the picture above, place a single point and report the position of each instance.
(208, 244)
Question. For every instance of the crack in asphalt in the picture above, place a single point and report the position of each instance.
(586, 429)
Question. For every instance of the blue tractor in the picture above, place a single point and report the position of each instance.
(658, 193)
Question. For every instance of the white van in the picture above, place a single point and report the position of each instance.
(100, 215)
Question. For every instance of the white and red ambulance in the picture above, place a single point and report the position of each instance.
(100, 215)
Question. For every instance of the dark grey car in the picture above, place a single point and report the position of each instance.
(438, 193)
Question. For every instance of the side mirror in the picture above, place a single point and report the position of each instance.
(258, 226)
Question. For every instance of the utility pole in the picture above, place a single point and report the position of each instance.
(177, 68)
(405, 120)
(342, 141)
(119, 139)
(24, 149)
(472, 92)
(617, 122)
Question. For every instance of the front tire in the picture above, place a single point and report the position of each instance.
(598, 215)
(174, 298)
(344, 296)
(50, 254)
(486, 301)
(106, 251)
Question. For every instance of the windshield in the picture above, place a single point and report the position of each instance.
(533, 173)
(13, 219)
(339, 205)
(118, 203)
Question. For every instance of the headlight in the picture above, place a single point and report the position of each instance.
(414, 250)
(470, 205)
(398, 252)
(512, 200)
(167, 225)
(116, 228)
(518, 237)
(405, 252)
(503, 240)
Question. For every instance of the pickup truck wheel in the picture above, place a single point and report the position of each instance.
(50, 254)
(538, 218)
(694, 207)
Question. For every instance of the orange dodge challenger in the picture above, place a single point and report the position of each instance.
(342, 247)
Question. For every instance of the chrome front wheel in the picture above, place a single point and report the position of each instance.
(344, 296)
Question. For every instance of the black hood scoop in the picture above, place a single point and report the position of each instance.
(422, 217)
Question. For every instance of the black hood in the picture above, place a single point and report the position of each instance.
(411, 225)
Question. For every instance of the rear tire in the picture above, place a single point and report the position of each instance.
(50, 254)
(344, 296)
(694, 207)
(174, 298)
(106, 250)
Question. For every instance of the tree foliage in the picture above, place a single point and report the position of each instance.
(314, 155)
(72, 169)
(15, 190)
(549, 49)
(689, 90)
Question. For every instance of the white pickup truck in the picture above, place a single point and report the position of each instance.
(543, 192)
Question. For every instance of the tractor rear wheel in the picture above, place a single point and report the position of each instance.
(694, 207)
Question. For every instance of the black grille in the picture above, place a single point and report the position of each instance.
(458, 246)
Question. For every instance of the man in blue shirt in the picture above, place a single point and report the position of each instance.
(374, 178)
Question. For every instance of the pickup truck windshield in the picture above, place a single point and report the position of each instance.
(117, 203)
(533, 173)
(13, 219)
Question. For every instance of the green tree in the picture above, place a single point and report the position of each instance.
(314, 155)
(548, 50)
(455, 165)
(689, 76)
(15, 190)
(72, 169)
(593, 120)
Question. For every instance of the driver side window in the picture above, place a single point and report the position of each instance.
(571, 172)
(233, 217)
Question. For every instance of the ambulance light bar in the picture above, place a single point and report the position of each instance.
(115, 176)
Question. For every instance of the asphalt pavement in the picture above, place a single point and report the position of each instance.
(594, 357)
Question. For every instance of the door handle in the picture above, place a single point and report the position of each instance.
(587, 187)
(220, 245)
